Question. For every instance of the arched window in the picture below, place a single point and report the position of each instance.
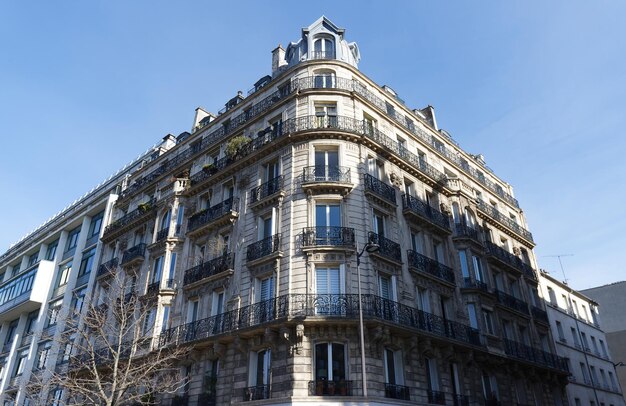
(470, 218)
(324, 48)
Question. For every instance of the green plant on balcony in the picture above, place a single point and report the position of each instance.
(235, 145)
(210, 168)
(144, 207)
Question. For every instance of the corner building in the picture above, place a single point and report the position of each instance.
(244, 235)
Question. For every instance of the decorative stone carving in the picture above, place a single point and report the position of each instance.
(517, 251)
(396, 179)
(445, 208)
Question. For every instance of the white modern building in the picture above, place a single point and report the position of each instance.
(575, 322)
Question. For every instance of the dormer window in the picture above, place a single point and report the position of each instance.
(324, 48)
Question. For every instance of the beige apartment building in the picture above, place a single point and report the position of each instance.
(319, 242)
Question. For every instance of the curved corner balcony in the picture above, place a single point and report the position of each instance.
(424, 214)
(328, 238)
(215, 216)
(504, 223)
(264, 250)
(379, 190)
(326, 179)
(142, 213)
(210, 269)
(429, 267)
(503, 257)
(267, 192)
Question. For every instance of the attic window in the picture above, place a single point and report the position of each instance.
(324, 48)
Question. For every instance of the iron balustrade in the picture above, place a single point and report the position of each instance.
(257, 392)
(539, 313)
(141, 212)
(322, 236)
(424, 264)
(213, 213)
(436, 397)
(322, 82)
(463, 230)
(512, 260)
(511, 302)
(268, 188)
(323, 387)
(338, 174)
(393, 391)
(380, 188)
(138, 251)
(162, 234)
(425, 211)
(494, 214)
(475, 284)
(108, 267)
(341, 306)
(387, 248)
(534, 355)
(322, 54)
(209, 268)
(144, 181)
(263, 247)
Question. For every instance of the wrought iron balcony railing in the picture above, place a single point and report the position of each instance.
(416, 206)
(322, 82)
(143, 211)
(501, 218)
(213, 213)
(133, 253)
(539, 314)
(162, 234)
(268, 188)
(321, 236)
(509, 259)
(380, 188)
(387, 248)
(263, 247)
(422, 263)
(475, 284)
(322, 54)
(511, 302)
(107, 268)
(209, 268)
(397, 392)
(462, 230)
(534, 355)
(258, 392)
(156, 287)
(323, 387)
(326, 174)
(339, 306)
(436, 397)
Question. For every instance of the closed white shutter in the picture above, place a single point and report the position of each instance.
(329, 281)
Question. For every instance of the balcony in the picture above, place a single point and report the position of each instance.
(162, 234)
(463, 231)
(424, 214)
(328, 238)
(267, 248)
(327, 179)
(512, 261)
(379, 190)
(258, 392)
(539, 314)
(215, 216)
(430, 267)
(436, 397)
(388, 249)
(209, 269)
(142, 213)
(397, 392)
(323, 387)
(267, 192)
(499, 220)
(107, 268)
(469, 283)
(512, 302)
(535, 355)
(157, 287)
(26, 291)
(134, 255)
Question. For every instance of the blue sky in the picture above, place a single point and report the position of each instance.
(538, 87)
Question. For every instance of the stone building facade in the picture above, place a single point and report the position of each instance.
(262, 235)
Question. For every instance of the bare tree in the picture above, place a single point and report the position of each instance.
(115, 357)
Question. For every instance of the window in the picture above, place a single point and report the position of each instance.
(583, 369)
(78, 300)
(432, 377)
(575, 337)
(478, 268)
(387, 287)
(369, 124)
(594, 377)
(378, 223)
(327, 219)
(217, 310)
(559, 329)
(490, 387)
(95, 225)
(86, 263)
(326, 164)
(172, 270)
(11, 331)
(393, 367)
(584, 341)
(57, 395)
(417, 242)
(20, 363)
(552, 296)
(324, 48)
(192, 310)
(375, 167)
(324, 79)
(166, 317)
(267, 224)
(438, 252)
(326, 114)
(51, 250)
(179, 218)
(42, 354)
(32, 260)
(157, 271)
(329, 284)
(54, 311)
(64, 274)
(473, 319)
(72, 239)
(165, 220)
(31, 322)
(464, 267)
(488, 320)
(604, 353)
(506, 330)
(423, 299)
(612, 380)
(330, 362)
(148, 321)
(259, 377)
(67, 349)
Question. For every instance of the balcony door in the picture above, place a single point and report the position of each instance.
(329, 285)
(327, 224)
(326, 165)
(265, 292)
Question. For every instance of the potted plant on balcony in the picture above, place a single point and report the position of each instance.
(209, 168)
(235, 145)
(144, 207)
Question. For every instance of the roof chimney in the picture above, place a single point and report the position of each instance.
(278, 59)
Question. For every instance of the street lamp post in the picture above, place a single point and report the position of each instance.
(369, 247)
